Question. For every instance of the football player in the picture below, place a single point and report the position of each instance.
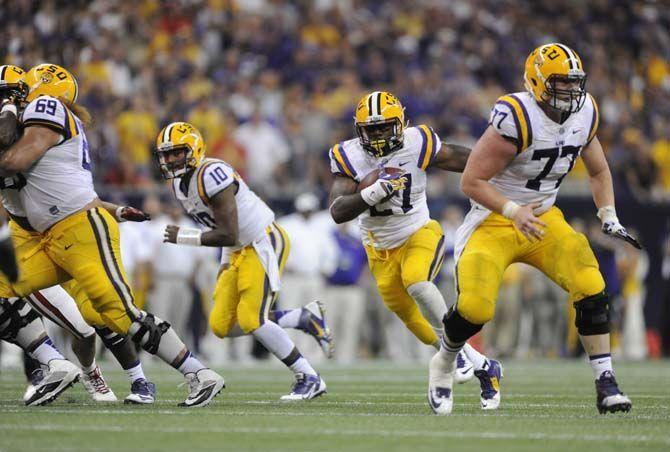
(58, 307)
(79, 238)
(405, 247)
(256, 250)
(512, 177)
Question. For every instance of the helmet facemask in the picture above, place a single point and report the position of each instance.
(18, 91)
(565, 93)
(382, 137)
(182, 162)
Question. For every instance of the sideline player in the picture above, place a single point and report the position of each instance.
(512, 177)
(79, 239)
(405, 247)
(233, 216)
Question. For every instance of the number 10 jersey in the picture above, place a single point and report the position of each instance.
(195, 190)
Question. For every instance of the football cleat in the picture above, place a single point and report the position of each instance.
(465, 370)
(97, 387)
(610, 399)
(203, 385)
(313, 322)
(61, 374)
(489, 381)
(440, 384)
(142, 392)
(306, 387)
(35, 378)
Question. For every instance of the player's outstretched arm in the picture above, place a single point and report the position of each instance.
(491, 155)
(602, 188)
(36, 140)
(345, 203)
(125, 213)
(452, 157)
(225, 233)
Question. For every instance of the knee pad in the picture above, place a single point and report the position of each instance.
(476, 308)
(109, 338)
(15, 314)
(457, 328)
(593, 315)
(147, 332)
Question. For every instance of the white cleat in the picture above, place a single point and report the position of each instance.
(97, 387)
(465, 370)
(306, 387)
(30, 392)
(61, 374)
(203, 385)
(440, 385)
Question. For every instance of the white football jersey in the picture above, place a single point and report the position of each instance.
(212, 177)
(389, 224)
(60, 182)
(547, 151)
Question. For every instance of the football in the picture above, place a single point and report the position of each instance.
(373, 175)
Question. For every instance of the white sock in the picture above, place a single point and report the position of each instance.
(190, 364)
(301, 365)
(430, 302)
(45, 352)
(291, 319)
(479, 361)
(90, 368)
(278, 342)
(600, 364)
(448, 351)
(135, 372)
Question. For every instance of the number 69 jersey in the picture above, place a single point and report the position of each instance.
(389, 224)
(210, 178)
(546, 150)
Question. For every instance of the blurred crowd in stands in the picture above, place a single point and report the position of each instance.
(273, 84)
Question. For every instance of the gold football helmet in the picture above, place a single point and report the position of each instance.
(555, 77)
(380, 122)
(51, 80)
(179, 149)
(13, 82)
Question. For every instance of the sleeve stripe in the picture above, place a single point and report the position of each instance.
(339, 167)
(342, 161)
(427, 148)
(526, 118)
(594, 120)
(516, 114)
(71, 129)
(201, 182)
(45, 122)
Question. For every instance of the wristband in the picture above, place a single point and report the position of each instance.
(9, 107)
(510, 209)
(118, 213)
(607, 213)
(373, 194)
(189, 236)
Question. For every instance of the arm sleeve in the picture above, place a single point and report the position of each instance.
(595, 120)
(429, 146)
(502, 121)
(340, 165)
(214, 178)
(48, 112)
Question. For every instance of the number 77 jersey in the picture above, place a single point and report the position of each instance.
(546, 150)
(389, 224)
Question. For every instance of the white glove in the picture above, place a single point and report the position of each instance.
(612, 226)
(384, 187)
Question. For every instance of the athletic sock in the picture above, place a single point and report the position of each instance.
(449, 350)
(600, 364)
(479, 361)
(190, 364)
(278, 342)
(45, 351)
(431, 303)
(286, 319)
(135, 372)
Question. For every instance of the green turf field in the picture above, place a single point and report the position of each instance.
(547, 406)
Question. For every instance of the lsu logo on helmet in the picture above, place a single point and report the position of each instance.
(380, 122)
(555, 77)
(13, 82)
(179, 149)
(51, 80)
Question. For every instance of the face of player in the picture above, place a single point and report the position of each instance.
(173, 161)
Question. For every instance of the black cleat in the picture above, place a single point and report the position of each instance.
(610, 398)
